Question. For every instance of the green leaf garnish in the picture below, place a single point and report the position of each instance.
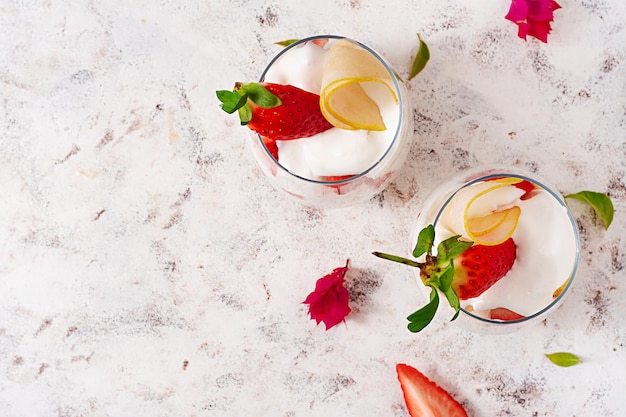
(436, 272)
(600, 202)
(245, 115)
(286, 42)
(445, 280)
(564, 359)
(424, 241)
(237, 100)
(422, 317)
(260, 95)
(452, 247)
(454, 302)
(421, 58)
(231, 100)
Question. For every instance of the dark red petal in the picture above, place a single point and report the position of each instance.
(518, 11)
(329, 302)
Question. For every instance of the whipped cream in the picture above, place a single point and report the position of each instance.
(336, 151)
(546, 249)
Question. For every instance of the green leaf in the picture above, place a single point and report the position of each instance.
(451, 248)
(425, 241)
(398, 259)
(260, 95)
(601, 203)
(286, 42)
(245, 115)
(422, 317)
(564, 359)
(445, 279)
(421, 58)
(454, 301)
(231, 100)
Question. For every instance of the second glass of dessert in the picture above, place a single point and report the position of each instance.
(343, 126)
(524, 251)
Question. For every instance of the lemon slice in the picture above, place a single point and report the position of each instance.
(343, 100)
(495, 228)
(559, 290)
(484, 221)
(481, 226)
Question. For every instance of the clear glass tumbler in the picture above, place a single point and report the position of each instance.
(546, 237)
(333, 190)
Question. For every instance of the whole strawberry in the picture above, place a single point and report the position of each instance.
(275, 111)
(460, 270)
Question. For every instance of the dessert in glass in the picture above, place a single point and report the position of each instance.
(355, 151)
(525, 248)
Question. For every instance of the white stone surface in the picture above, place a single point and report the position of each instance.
(148, 269)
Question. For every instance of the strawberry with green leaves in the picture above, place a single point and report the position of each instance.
(460, 270)
(425, 398)
(275, 111)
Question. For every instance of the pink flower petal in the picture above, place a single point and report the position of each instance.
(518, 11)
(329, 302)
(533, 17)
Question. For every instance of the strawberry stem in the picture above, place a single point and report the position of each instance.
(398, 259)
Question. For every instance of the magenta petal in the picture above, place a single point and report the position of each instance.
(533, 17)
(522, 30)
(518, 11)
(539, 30)
(329, 302)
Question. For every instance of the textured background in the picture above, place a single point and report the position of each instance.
(147, 268)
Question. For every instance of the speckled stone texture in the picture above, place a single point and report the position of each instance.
(147, 268)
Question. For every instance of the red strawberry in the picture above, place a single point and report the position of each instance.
(504, 314)
(335, 178)
(341, 188)
(276, 111)
(423, 397)
(524, 185)
(271, 146)
(480, 266)
(460, 270)
(527, 186)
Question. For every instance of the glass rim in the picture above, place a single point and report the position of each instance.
(400, 110)
(499, 173)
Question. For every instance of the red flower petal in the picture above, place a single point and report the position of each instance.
(518, 11)
(539, 30)
(533, 17)
(329, 302)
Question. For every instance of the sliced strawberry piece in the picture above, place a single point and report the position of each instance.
(320, 42)
(423, 397)
(339, 188)
(524, 185)
(335, 178)
(271, 146)
(480, 266)
(504, 314)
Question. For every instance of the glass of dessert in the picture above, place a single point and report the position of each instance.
(340, 128)
(507, 250)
